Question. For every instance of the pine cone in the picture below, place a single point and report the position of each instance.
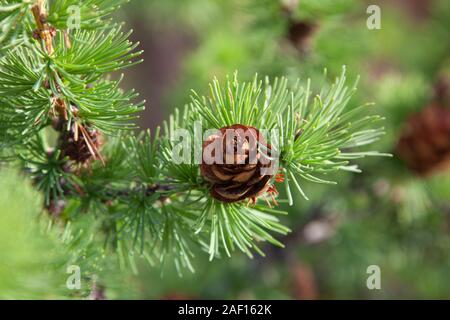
(83, 148)
(425, 142)
(236, 173)
(300, 34)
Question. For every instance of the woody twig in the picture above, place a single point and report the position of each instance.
(44, 31)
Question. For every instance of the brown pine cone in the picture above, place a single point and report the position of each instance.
(83, 148)
(425, 142)
(301, 34)
(236, 173)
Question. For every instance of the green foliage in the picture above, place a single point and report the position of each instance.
(142, 203)
(316, 136)
(94, 53)
(92, 12)
(32, 80)
(24, 245)
(35, 254)
(234, 226)
(14, 22)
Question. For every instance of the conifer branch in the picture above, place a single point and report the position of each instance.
(143, 200)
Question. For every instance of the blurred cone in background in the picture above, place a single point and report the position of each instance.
(424, 144)
(301, 35)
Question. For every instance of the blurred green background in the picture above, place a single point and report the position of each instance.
(388, 216)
